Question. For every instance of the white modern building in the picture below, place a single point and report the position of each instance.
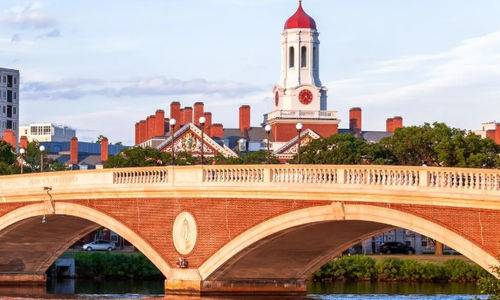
(9, 100)
(47, 132)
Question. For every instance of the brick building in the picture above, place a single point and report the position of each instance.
(299, 97)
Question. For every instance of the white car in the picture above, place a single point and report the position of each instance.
(101, 245)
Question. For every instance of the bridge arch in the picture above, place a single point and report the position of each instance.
(276, 229)
(95, 219)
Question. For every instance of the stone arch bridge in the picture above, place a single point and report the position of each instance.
(243, 229)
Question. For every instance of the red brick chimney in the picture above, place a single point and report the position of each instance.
(244, 118)
(9, 137)
(151, 126)
(181, 118)
(137, 130)
(104, 149)
(198, 112)
(143, 131)
(217, 130)
(389, 125)
(491, 134)
(208, 124)
(175, 113)
(397, 123)
(497, 134)
(188, 115)
(23, 142)
(355, 120)
(159, 123)
(73, 151)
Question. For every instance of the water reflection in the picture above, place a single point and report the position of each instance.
(129, 289)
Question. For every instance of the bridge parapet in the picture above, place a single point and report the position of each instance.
(301, 178)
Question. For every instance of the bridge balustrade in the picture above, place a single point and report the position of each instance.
(298, 177)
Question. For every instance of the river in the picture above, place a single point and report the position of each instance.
(124, 289)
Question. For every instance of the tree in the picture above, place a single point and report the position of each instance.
(255, 158)
(147, 157)
(344, 149)
(490, 285)
(7, 159)
(100, 138)
(440, 145)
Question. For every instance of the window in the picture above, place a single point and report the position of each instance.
(315, 57)
(424, 243)
(15, 80)
(14, 110)
(9, 124)
(303, 57)
(15, 95)
(9, 96)
(292, 57)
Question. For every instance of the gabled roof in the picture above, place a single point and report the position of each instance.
(289, 149)
(222, 149)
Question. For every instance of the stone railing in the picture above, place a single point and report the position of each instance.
(302, 114)
(299, 178)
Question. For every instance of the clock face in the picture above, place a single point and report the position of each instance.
(305, 97)
(276, 98)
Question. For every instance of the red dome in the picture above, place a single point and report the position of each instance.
(300, 20)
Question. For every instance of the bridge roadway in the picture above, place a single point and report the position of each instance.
(243, 229)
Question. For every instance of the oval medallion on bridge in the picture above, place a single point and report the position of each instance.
(184, 233)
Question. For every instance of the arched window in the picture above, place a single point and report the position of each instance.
(315, 57)
(303, 57)
(292, 57)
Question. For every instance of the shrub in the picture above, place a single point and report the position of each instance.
(411, 270)
(432, 272)
(90, 265)
(458, 270)
(388, 268)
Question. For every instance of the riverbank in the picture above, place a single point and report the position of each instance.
(112, 265)
(364, 268)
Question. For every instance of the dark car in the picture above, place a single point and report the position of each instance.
(396, 247)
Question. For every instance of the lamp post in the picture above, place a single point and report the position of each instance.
(172, 132)
(21, 152)
(202, 124)
(268, 134)
(42, 149)
(299, 129)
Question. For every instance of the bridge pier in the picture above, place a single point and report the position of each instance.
(188, 282)
(22, 279)
(281, 287)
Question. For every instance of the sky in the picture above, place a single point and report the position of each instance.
(101, 66)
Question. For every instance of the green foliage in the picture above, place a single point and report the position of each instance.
(440, 145)
(431, 272)
(388, 268)
(136, 266)
(490, 285)
(255, 158)
(345, 149)
(362, 268)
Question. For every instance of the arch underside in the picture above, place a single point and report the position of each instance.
(30, 246)
(297, 252)
(296, 244)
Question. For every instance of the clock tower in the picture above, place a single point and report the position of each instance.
(299, 96)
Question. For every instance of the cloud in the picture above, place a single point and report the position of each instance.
(15, 38)
(76, 88)
(458, 86)
(51, 34)
(26, 17)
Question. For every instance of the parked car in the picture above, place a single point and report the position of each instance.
(101, 245)
(396, 247)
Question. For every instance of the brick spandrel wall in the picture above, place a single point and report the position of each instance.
(218, 220)
(480, 226)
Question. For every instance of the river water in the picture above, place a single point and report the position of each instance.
(338, 290)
